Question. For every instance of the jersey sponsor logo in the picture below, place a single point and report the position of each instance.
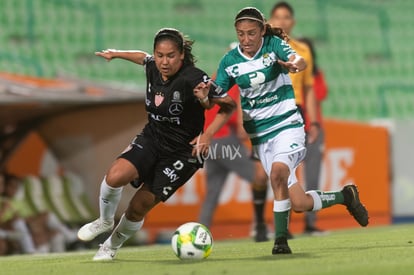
(265, 100)
(327, 197)
(176, 109)
(174, 119)
(176, 97)
(159, 98)
(171, 174)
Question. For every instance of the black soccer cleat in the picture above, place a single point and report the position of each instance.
(354, 205)
(261, 233)
(281, 246)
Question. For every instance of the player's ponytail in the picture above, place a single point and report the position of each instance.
(279, 32)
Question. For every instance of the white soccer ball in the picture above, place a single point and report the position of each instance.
(192, 241)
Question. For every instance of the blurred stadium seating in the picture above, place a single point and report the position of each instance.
(52, 193)
(364, 46)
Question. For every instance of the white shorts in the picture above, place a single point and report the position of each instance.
(287, 147)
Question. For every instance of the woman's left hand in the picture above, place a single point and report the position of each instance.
(201, 90)
(289, 65)
(201, 144)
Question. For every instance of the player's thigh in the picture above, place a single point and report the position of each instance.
(171, 173)
(287, 147)
(135, 163)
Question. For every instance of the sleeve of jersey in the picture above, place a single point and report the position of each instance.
(198, 76)
(282, 48)
(148, 60)
(223, 82)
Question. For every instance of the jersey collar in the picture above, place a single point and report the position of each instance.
(254, 56)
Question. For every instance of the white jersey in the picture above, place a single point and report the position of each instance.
(266, 92)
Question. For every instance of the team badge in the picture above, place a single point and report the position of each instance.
(159, 98)
(268, 59)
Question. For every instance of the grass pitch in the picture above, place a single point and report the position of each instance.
(376, 250)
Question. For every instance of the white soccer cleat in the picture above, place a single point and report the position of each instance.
(104, 253)
(89, 231)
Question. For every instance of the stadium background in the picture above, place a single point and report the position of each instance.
(53, 88)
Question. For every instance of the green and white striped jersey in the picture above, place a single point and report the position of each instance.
(266, 92)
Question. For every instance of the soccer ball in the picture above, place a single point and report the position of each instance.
(192, 241)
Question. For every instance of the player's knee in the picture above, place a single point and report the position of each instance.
(279, 176)
(117, 177)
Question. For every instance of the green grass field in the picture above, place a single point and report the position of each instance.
(376, 250)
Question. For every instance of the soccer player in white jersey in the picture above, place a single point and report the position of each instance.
(260, 66)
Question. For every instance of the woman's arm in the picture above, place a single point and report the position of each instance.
(133, 56)
(227, 106)
(295, 64)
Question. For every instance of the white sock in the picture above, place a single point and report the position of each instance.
(108, 201)
(281, 206)
(122, 232)
(26, 241)
(317, 202)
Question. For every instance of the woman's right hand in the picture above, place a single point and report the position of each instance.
(107, 54)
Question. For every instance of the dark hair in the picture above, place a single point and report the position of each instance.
(309, 43)
(253, 14)
(284, 5)
(184, 44)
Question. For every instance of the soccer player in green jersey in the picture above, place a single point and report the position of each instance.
(259, 65)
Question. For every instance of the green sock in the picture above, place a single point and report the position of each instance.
(330, 198)
(281, 221)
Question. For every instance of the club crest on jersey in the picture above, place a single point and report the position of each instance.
(176, 97)
(159, 98)
(268, 59)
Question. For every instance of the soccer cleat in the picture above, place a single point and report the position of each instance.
(281, 246)
(89, 231)
(104, 253)
(354, 205)
(261, 233)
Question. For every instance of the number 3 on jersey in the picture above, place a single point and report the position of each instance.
(256, 79)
